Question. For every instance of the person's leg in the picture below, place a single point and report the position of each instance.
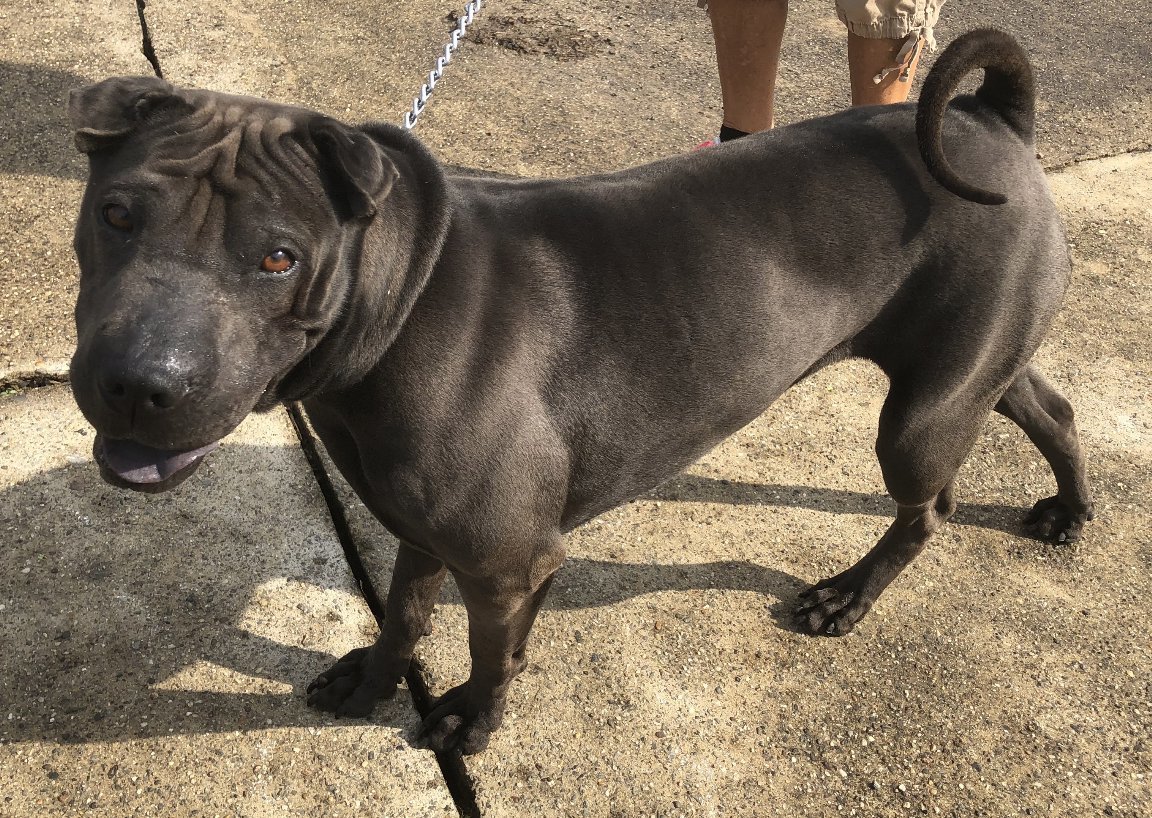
(748, 35)
(867, 58)
(885, 38)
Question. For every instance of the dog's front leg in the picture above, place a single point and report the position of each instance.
(352, 686)
(500, 615)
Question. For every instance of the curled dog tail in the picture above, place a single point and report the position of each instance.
(1008, 89)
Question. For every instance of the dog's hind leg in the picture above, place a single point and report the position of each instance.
(926, 431)
(1046, 416)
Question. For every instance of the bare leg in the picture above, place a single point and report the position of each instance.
(352, 686)
(867, 57)
(1046, 417)
(748, 34)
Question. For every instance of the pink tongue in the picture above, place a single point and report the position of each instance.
(142, 464)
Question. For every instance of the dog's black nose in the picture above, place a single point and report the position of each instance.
(154, 388)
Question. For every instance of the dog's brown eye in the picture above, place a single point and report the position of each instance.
(118, 216)
(278, 261)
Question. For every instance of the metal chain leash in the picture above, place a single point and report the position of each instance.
(421, 100)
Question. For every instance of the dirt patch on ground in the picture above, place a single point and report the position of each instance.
(561, 40)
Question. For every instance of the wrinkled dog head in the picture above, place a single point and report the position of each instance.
(207, 239)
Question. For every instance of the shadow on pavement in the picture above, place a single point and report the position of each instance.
(691, 488)
(199, 611)
(35, 137)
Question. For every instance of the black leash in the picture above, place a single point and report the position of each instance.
(147, 48)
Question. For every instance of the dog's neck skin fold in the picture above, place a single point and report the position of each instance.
(402, 242)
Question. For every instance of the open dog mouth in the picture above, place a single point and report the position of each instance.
(127, 464)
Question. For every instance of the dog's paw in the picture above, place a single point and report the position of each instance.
(348, 688)
(455, 724)
(1052, 519)
(831, 608)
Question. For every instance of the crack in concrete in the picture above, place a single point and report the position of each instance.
(1071, 163)
(452, 768)
(16, 382)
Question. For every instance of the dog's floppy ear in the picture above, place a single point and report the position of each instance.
(105, 113)
(358, 174)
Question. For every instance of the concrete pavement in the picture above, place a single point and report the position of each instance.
(157, 646)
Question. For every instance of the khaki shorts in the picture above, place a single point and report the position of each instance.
(886, 19)
(910, 20)
(890, 19)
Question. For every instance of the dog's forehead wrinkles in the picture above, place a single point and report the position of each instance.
(273, 153)
(195, 215)
(208, 149)
(224, 154)
(233, 144)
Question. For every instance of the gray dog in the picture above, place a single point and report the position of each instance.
(492, 362)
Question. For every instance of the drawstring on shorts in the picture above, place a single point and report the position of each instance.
(914, 43)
